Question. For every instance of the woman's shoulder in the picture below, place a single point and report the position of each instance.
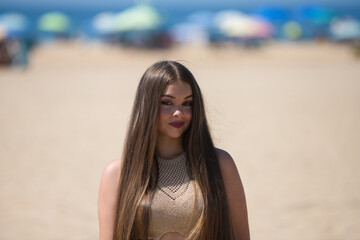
(113, 166)
(225, 159)
(227, 165)
(111, 172)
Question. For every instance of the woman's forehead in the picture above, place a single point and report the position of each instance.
(178, 88)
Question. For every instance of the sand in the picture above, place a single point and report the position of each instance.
(289, 114)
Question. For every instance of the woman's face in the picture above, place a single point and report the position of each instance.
(175, 110)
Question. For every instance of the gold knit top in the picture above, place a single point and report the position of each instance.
(177, 202)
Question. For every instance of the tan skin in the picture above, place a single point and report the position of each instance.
(175, 106)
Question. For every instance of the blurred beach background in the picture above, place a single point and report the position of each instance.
(281, 82)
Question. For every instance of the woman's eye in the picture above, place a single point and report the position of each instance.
(188, 103)
(165, 102)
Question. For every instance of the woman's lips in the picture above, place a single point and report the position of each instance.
(177, 124)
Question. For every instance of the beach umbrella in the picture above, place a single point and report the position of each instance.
(236, 24)
(189, 33)
(195, 29)
(233, 23)
(261, 28)
(14, 24)
(104, 23)
(292, 30)
(345, 29)
(140, 17)
(277, 16)
(55, 22)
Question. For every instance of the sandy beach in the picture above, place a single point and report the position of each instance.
(289, 114)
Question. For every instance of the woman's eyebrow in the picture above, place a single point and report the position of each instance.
(169, 96)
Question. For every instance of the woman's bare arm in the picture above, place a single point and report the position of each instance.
(235, 194)
(107, 199)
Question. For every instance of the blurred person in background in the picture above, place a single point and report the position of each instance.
(13, 52)
(171, 183)
(5, 58)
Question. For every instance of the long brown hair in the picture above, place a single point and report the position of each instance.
(137, 179)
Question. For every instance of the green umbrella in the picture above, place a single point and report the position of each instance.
(139, 17)
(292, 30)
(54, 22)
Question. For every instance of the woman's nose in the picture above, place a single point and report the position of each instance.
(177, 111)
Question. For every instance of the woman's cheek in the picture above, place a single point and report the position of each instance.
(164, 112)
(188, 113)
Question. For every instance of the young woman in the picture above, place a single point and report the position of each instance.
(171, 183)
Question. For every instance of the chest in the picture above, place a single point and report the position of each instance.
(177, 203)
(175, 215)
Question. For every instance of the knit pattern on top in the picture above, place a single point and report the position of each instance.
(173, 180)
(177, 202)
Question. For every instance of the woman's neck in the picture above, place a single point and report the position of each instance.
(169, 148)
